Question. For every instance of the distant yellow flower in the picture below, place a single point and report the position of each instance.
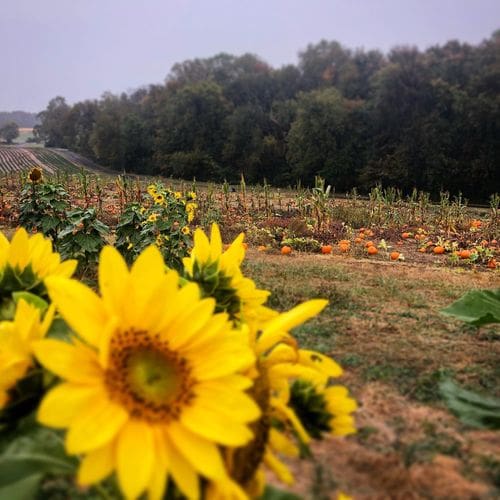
(159, 198)
(190, 210)
(178, 195)
(185, 230)
(30, 259)
(154, 384)
(16, 345)
(152, 190)
(191, 195)
(218, 274)
(152, 218)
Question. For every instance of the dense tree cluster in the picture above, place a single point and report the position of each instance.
(429, 120)
(9, 132)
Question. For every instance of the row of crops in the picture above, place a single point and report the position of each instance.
(14, 159)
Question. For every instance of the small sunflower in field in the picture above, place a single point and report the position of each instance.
(190, 210)
(35, 175)
(16, 345)
(152, 190)
(219, 276)
(159, 199)
(26, 261)
(153, 385)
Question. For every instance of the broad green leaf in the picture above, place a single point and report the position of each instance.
(471, 408)
(24, 489)
(477, 307)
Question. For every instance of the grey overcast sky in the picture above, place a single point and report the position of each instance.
(82, 48)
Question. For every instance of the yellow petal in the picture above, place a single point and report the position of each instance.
(201, 249)
(278, 467)
(96, 465)
(324, 364)
(65, 402)
(73, 363)
(135, 457)
(96, 426)
(203, 455)
(215, 243)
(183, 473)
(67, 268)
(80, 307)
(288, 320)
(113, 279)
(19, 249)
(215, 426)
(234, 404)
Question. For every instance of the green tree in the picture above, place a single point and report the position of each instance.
(325, 138)
(9, 132)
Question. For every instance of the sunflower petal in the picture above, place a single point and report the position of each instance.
(81, 308)
(135, 457)
(97, 465)
(202, 454)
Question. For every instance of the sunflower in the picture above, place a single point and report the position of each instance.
(153, 384)
(27, 260)
(16, 345)
(190, 210)
(185, 230)
(152, 191)
(159, 198)
(280, 367)
(219, 276)
(152, 218)
(35, 175)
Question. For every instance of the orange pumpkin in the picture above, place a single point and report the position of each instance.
(464, 254)
(405, 235)
(369, 244)
(261, 248)
(286, 250)
(394, 255)
(372, 250)
(343, 247)
(344, 242)
(492, 264)
(326, 249)
(439, 250)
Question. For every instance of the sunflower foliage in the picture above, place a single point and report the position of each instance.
(82, 237)
(162, 219)
(42, 205)
(160, 383)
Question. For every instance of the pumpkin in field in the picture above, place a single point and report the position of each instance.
(343, 247)
(326, 249)
(286, 250)
(464, 254)
(394, 255)
(439, 250)
(492, 264)
(372, 250)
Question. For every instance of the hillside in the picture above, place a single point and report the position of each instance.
(22, 118)
(18, 159)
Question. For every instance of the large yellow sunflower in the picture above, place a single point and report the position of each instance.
(27, 260)
(219, 275)
(16, 345)
(153, 384)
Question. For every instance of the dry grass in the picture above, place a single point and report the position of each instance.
(383, 324)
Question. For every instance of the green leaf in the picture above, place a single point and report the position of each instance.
(32, 299)
(477, 307)
(24, 489)
(271, 493)
(471, 408)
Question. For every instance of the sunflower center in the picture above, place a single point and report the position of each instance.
(149, 379)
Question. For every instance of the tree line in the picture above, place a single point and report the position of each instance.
(425, 119)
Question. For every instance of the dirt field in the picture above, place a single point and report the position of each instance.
(383, 325)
